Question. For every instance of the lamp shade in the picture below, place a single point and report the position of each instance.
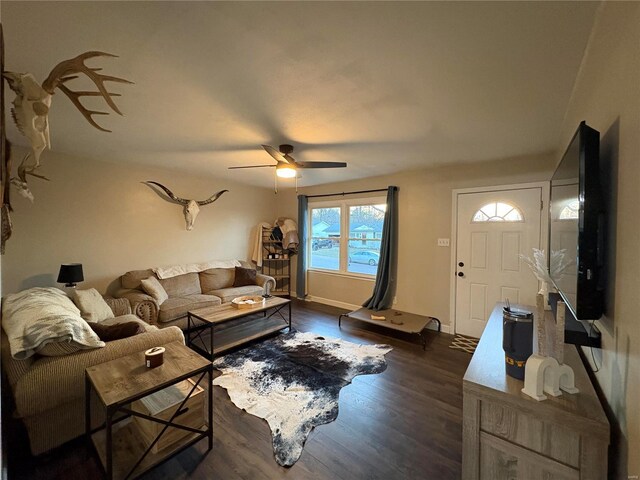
(70, 273)
(284, 170)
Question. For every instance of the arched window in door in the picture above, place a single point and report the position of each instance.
(570, 211)
(498, 212)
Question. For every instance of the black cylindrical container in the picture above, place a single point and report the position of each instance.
(517, 340)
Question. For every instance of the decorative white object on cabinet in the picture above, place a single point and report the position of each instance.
(547, 373)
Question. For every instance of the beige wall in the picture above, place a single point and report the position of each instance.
(607, 96)
(424, 269)
(99, 214)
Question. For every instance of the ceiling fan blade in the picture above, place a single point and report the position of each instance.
(279, 157)
(321, 164)
(251, 166)
(289, 159)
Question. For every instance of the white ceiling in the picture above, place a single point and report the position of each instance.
(382, 86)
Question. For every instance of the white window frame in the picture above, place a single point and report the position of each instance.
(343, 204)
(499, 218)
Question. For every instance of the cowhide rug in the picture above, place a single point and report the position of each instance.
(293, 382)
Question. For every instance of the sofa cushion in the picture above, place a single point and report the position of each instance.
(152, 286)
(132, 279)
(217, 278)
(176, 307)
(181, 323)
(92, 306)
(228, 294)
(244, 277)
(187, 284)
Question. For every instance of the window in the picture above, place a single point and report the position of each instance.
(325, 234)
(346, 236)
(570, 211)
(498, 212)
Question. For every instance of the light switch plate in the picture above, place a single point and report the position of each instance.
(443, 242)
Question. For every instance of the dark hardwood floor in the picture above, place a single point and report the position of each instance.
(405, 423)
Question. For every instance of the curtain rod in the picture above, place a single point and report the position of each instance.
(347, 193)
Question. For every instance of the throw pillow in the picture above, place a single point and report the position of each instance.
(108, 333)
(92, 306)
(216, 279)
(35, 318)
(244, 276)
(152, 286)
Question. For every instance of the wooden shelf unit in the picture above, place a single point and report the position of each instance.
(128, 446)
(278, 268)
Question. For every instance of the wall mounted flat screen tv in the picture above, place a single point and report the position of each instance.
(577, 227)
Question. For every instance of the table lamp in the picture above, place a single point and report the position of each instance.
(70, 274)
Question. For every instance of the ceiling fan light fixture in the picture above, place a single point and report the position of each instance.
(285, 171)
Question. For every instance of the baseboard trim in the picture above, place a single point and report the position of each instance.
(332, 303)
(443, 329)
(351, 306)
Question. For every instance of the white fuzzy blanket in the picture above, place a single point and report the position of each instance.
(38, 316)
(175, 270)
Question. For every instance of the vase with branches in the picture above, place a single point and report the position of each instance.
(547, 275)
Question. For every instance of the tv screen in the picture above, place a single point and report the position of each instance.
(576, 225)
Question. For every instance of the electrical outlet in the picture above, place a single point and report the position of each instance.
(443, 242)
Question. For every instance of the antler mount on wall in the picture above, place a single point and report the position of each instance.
(32, 104)
(30, 113)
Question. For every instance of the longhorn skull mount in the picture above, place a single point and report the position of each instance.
(191, 208)
(32, 104)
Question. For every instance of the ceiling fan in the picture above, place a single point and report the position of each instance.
(287, 166)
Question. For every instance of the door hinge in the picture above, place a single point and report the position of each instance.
(541, 204)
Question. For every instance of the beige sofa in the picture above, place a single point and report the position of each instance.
(48, 392)
(186, 292)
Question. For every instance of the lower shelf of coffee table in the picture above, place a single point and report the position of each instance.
(128, 447)
(235, 333)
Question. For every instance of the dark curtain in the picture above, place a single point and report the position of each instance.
(301, 272)
(384, 288)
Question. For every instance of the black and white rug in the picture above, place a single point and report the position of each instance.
(293, 382)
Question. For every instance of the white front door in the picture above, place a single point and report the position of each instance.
(493, 229)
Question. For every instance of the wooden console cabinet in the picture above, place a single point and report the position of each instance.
(508, 435)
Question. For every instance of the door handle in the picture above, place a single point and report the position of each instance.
(460, 274)
(461, 264)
